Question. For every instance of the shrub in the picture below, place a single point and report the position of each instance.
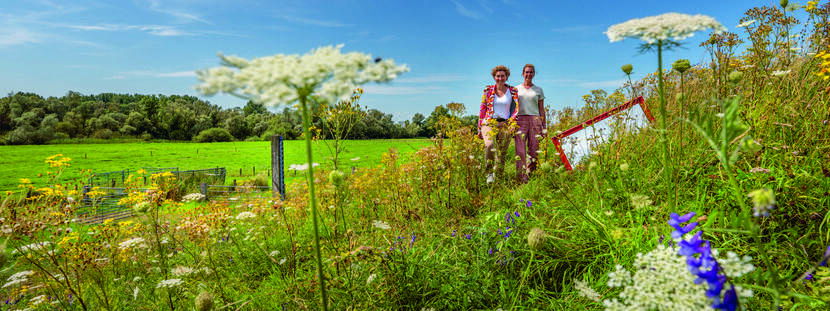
(213, 135)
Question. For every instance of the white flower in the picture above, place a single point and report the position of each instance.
(639, 201)
(274, 254)
(135, 293)
(193, 197)
(134, 243)
(302, 167)
(18, 278)
(747, 23)
(585, 291)
(355, 159)
(245, 215)
(171, 283)
(182, 271)
(38, 300)
(275, 80)
(282, 261)
(371, 279)
(39, 246)
(674, 26)
(381, 225)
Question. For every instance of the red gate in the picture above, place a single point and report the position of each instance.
(557, 139)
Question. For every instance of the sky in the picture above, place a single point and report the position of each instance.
(155, 46)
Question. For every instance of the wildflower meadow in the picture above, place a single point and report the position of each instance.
(722, 203)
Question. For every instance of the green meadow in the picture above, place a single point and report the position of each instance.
(241, 159)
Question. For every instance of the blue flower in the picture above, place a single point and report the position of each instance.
(517, 213)
(676, 221)
(469, 236)
(453, 232)
(825, 257)
(413, 240)
(529, 204)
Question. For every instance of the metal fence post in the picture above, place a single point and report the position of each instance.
(277, 164)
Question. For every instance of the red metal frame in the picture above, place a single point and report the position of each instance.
(558, 138)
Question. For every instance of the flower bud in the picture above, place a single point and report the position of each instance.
(337, 178)
(681, 65)
(763, 200)
(4, 256)
(624, 166)
(204, 302)
(627, 68)
(736, 77)
(142, 207)
(784, 4)
(536, 238)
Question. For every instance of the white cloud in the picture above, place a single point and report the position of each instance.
(313, 22)
(157, 30)
(177, 74)
(184, 16)
(153, 74)
(464, 11)
(399, 90)
(18, 36)
(432, 78)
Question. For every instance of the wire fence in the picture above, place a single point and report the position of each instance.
(118, 178)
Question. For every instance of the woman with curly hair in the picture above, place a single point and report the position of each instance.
(496, 118)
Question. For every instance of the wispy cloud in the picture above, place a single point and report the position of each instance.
(464, 11)
(181, 15)
(582, 83)
(578, 29)
(12, 37)
(433, 78)
(157, 30)
(152, 74)
(399, 90)
(313, 22)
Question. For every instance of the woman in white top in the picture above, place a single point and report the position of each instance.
(531, 121)
(499, 107)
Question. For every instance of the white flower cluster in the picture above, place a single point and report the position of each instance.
(18, 278)
(276, 80)
(245, 215)
(171, 283)
(134, 243)
(193, 197)
(301, 167)
(639, 201)
(663, 282)
(381, 225)
(674, 26)
(182, 271)
(586, 291)
(39, 246)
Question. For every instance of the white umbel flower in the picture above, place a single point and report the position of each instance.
(134, 243)
(674, 26)
(171, 283)
(278, 79)
(381, 225)
(245, 215)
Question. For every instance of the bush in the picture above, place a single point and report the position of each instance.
(215, 134)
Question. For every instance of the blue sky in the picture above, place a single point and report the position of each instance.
(154, 46)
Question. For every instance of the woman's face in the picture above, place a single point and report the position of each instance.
(529, 73)
(500, 77)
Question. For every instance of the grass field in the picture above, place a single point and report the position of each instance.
(241, 159)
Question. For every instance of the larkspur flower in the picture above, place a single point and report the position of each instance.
(529, 204)
(676, 221)
(668, 26)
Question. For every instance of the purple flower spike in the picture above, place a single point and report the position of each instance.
(517, 213)
(676, 221)
(825, 257)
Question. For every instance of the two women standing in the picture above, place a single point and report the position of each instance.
(511, 111)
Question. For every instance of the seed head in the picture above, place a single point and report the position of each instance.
(204, 302)
(736, 77)
(681, 65)
(337, 178)
(141, 207)
(627, 68)
(536, 238)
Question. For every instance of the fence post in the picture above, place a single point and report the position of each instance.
(277, 162)
(203, 190)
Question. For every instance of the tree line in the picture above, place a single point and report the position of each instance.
(28, 118)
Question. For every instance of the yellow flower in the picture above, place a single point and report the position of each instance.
(25, 181)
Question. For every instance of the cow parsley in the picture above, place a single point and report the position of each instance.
(668, 26)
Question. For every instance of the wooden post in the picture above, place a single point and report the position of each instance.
(203, 190)
(277, 178)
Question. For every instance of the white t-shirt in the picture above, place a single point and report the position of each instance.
(501, 105)
(529, 99)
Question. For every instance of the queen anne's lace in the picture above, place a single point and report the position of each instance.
(282, 79)
(674, 26)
